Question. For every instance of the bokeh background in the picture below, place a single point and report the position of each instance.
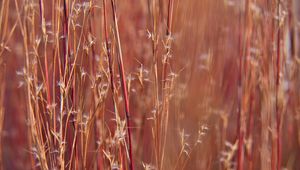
(208, 39)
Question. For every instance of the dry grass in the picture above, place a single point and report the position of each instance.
(150, 84)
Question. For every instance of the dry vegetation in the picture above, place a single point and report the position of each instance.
(149, 84)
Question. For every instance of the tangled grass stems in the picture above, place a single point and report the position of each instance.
(169, 65)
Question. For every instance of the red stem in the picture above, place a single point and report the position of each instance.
(278, 113)
(123, 83)
(45, 57)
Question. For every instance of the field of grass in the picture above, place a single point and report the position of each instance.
(149, 84)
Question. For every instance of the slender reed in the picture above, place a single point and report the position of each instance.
(123, 82)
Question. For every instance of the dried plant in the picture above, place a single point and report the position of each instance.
(110, 84)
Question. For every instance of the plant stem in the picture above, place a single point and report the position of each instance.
(123, 82)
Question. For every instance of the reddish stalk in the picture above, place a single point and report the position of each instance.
(155, 38)
(108, 50)
(109, 56)
(274, 139)
(123, 82)
(244, 85)
(278, 113)
(240, 77)
(45, 37)
(250, 131)
(91, 28)
(92, 64)
(169, 39)
(165, 61)
(66, 34)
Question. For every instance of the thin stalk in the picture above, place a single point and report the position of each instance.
(278, 112)
(243, 85)
(109, 56)
(169, 40)
(155, 38)
(45, 38)
(250, 131)
(164, 75)
(123, 81)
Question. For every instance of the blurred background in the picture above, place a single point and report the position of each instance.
(233, 68)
